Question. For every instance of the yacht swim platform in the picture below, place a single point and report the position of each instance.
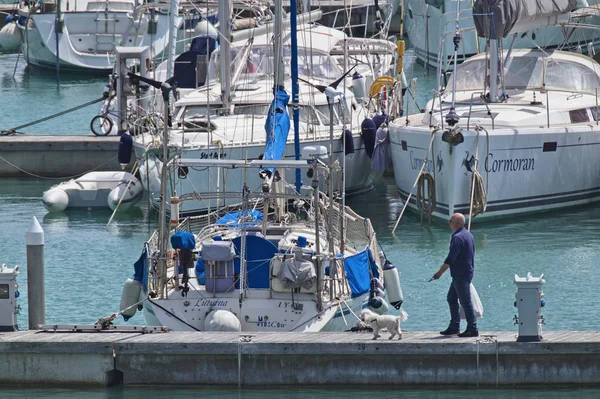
(273, 359)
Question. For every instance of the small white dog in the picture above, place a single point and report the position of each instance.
(380, 322)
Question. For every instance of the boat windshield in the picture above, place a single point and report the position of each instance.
(311, 63)
(532, 73)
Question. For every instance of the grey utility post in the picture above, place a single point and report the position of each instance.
(529, 302)
(36, 292)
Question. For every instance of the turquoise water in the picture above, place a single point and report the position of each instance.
(87, 263)
(33, 94)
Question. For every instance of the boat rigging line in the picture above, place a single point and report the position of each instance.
(14, 130)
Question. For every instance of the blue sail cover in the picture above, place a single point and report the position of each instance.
(277, 128)
(140, 268)
(359, 269)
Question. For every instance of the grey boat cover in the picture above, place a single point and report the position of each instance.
(379, 161)
(506, 13)
(297, 273)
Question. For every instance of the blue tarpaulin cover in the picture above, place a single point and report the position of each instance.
(359, 270)
(259, 252)
(277, 127)
(234, 219)
(183, 240)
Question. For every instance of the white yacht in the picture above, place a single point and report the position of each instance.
(208, 125)
(82, 35)
(532, 150)
(431, 26)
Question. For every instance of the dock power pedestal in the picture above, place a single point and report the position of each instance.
(529, 303)
(9, 292)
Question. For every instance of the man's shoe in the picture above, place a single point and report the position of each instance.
(449, 331)
(469, 333)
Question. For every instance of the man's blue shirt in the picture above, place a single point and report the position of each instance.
(461, 257)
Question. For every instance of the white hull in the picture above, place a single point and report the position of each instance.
(258, 314)
(426, 25)
(520, 177)
(85, 43)
(359, 176)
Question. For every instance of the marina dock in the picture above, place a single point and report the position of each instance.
(272, 359)
(57, 156)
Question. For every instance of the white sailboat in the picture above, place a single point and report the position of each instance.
(281, 259)
(521, 142)
(226, 121)
(430, 26)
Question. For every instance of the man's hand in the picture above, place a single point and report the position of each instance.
(439, 273)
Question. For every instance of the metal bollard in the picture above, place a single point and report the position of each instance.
(36, 291)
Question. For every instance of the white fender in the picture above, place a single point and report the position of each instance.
(378, 305)
(10, 37)
(221, 320)
(131, 193)
(130, 296)
(55, 199)
(391, 279)
(359, 86)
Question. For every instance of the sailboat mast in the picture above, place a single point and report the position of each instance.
(278, 44)
(225, 53)
(295, 88)
(173, 14)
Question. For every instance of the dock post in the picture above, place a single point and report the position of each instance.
(36, 292)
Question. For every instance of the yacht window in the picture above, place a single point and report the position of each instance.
(469, 75)
(324, 115)
(524, 72)
(571, 76)
(253, 109)
(595, 113)
(198, 111)
(579, 115)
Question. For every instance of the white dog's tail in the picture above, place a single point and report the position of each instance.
(403, 315)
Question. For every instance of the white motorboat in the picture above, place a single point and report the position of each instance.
(95, 190)
(519, 144)
(431, 26)
(84, 38)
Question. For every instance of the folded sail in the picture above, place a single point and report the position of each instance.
(277, 127)
(495, 19)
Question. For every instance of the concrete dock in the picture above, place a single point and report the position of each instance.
(270, 359)
(57, 156)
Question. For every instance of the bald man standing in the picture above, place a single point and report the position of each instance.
(461, 262)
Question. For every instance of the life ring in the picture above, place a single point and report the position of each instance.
(379, 83)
